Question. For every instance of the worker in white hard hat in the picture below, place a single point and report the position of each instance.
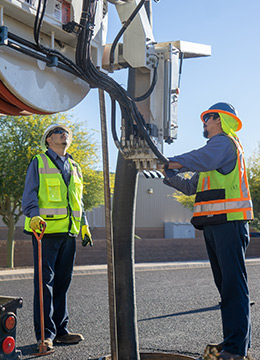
(49, 131)
(222, 210)
(53, 195)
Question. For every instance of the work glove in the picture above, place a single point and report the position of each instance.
(36, 223)
(171, 172)
(86, 236)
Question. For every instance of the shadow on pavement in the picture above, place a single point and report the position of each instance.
(210, 308)
(28, 350)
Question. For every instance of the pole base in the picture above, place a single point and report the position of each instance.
(157, 356)
(43, 353)
(43, 350)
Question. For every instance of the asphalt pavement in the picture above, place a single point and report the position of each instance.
(177, 309)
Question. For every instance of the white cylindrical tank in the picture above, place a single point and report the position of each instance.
(29, 85)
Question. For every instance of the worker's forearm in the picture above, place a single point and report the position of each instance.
(30, 195)
(185, 185)
(174, 165)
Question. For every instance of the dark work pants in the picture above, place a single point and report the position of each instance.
(58, 255)
(226, 246)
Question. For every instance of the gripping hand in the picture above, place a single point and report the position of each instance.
(86, 236)
(36, 223)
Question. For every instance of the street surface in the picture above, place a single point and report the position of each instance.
(177, 310)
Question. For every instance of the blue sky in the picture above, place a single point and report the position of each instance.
(231, 74)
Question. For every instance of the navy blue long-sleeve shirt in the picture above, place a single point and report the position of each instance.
(30, 195)
(219, 153)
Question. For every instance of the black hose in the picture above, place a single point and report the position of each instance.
(149, 141)
(38, 22)
(85, 69)
(113, 127)
(151, 88)
(180, 69)
(36, 55)
(118, 36)
(135, 114)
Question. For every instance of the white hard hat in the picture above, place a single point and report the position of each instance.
(49, 129)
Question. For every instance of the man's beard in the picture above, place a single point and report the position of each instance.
(205, 133)
(65, 141)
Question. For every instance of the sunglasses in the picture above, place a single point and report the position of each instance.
(206, 117)
(58, 131)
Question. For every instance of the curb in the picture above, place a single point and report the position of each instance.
(28, 273)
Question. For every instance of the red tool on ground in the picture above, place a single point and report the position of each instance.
(43, 349)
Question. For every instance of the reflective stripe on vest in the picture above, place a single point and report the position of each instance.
(77, 214)
(46, 169)
(206, 183)
(50, 211)
(221, 206)
(228, 194)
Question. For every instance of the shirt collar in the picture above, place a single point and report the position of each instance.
(220, 134)
(55, 156)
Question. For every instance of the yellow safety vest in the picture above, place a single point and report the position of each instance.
(221, 198)
(59, 204)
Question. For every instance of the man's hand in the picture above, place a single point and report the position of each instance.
(36, 223)
(173, 165)
(86, 236)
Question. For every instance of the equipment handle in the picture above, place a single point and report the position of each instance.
(40, 236)
(43, 348)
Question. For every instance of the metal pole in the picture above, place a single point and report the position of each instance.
(123, 233)
(124, 200)
(109, 235)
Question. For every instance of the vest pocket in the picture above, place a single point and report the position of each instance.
(199, 221)
(209, 195)
(53, 189)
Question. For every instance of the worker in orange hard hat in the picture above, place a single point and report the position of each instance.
(222, 210)
(230, 121)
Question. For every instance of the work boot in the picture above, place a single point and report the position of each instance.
(215, 349)
(224, 355)
(69, 338)
(212, 351)
(48, 342)
(249, 356)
